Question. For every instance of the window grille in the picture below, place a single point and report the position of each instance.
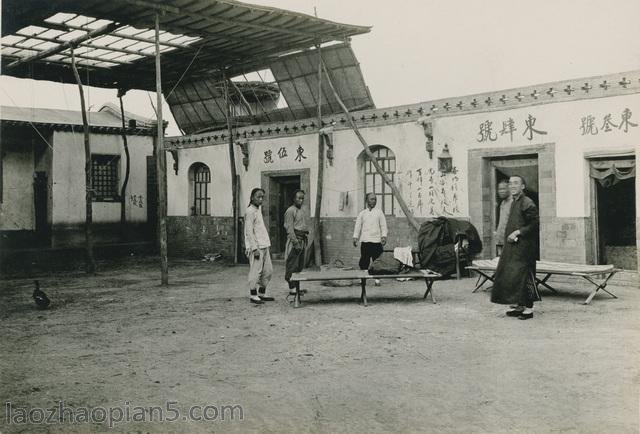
(201, 181)
(373, 181)
(104, 177)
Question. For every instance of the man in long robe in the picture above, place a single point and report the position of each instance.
(502, 215)
(514, 281)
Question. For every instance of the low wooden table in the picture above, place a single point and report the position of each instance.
(309, 276)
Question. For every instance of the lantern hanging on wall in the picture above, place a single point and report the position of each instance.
(445, 161)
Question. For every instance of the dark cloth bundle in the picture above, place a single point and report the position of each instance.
(436, 243)
(385, 264)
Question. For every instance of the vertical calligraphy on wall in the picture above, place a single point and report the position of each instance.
(430, 193)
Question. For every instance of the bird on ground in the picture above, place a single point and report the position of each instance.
(41, 299)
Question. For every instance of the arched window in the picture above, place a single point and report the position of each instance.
(373, 182)
(199, 189)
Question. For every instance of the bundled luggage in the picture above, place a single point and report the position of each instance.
(385, 264)
(437, 239)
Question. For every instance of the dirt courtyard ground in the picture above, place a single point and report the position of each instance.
(403, 364)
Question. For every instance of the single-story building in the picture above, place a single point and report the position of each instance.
(576, 143)
(42, 177)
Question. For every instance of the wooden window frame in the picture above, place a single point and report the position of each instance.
(105, 175)
(201, 200)
(387, 160)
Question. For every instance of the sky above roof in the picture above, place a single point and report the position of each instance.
(427, 49)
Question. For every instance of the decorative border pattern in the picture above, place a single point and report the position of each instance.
(96, 129)
(560, 91)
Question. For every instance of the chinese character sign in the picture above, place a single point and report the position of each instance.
(508, 127)
(268, 158)
(300, 155)
(530, 130)
(623, 123)
(487, 133)
(282, 153)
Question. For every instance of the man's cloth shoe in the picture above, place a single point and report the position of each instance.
(514, 312)
(524, 316)
(256, 301)
(266, 298)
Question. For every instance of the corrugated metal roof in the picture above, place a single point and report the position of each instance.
(207, 37)
(297, 76)
(200, 105)
(103, 118)
(106, 121)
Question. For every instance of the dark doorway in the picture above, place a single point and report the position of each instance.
(41, 199)
(280, 198)
(527, 167)
(616, 224)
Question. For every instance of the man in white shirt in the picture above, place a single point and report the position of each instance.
(371, 231)
(257, 245)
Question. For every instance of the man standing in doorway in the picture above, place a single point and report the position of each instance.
(296, 223)
(514, 281)
(504, 208)
(371, 231)
(257, 245)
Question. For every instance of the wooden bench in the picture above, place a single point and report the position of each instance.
(486, 269)
(310, 276)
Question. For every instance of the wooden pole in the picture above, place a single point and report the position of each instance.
(234, 175)
(403, 205)
(127, 168)
(161, 166)
(317, 236)
(88, 233)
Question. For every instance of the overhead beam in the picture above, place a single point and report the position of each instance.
(90, 45)
(69, 27)
(79, 56)
(60, 63)
(67, 45)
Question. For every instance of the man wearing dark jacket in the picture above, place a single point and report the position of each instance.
(296, 223)
(502, 215)
(514, 281)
